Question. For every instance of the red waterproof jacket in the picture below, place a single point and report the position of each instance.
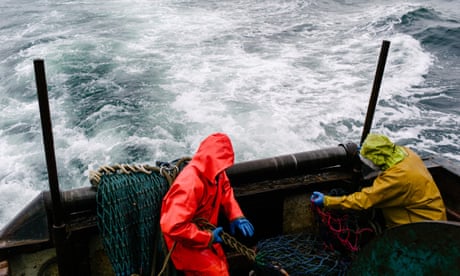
(196, 194)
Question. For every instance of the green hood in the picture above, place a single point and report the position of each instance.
(381, 151)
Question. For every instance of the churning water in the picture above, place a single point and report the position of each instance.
(135, 81)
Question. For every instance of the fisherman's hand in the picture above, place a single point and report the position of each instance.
(317, 198)
(243, 225)
(216, 235)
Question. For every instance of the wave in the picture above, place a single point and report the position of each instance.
(439, 34)
(432, 29)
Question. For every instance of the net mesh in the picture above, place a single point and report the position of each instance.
(128, 210)
(298, 254)
(343, 231)
(330, 251)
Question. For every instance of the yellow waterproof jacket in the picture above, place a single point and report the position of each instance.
(406, 192)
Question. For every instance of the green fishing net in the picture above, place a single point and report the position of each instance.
(298, 254)
(128, 210)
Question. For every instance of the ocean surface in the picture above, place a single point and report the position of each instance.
(135, 81)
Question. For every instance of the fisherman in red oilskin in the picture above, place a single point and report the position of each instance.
(200, 191)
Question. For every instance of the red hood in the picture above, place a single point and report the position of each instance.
(214, 155)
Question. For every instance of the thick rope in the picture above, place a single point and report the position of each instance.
(165, 169)
(165, 263)
(228, 240)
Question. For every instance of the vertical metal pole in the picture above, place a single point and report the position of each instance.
(59, 227)
(375, 89)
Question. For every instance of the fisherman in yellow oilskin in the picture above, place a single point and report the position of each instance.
(404, 189)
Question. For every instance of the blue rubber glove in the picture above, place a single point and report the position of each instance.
(243, 225)
(216, 235)
(317, 198)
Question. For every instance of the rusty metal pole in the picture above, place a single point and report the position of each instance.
(375, 89)
(59, 226)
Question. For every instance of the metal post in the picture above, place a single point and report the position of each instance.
(59, 226)
(375, 89)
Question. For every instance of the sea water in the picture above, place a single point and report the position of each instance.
(135, 81)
